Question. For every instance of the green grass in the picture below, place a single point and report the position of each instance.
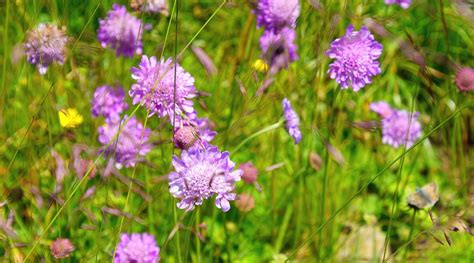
(301, 213)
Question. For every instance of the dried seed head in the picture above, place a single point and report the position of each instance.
(315, 161)
(61, 248)
(245, 203)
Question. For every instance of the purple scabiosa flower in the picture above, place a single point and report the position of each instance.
(276, 14)
(401, 127)
(137, 247)
(279, 49)
(292, 121)
(202, 173)
(130, 143)
(381, 108)
(403, 3)
(155, 85)
(355, 56)
(398, 126)
(465, 79)
(44, 45)
(121, 31)
(109, 102)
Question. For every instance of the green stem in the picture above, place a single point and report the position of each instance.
(264, 130)
(198, 241)
(5, 57)
(323, 204)
(394, 205)
(412, 227)
(178, 244)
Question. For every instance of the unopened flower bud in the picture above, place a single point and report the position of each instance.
(465, 79)
(185, 137)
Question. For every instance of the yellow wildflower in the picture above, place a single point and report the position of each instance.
(70, 118)
(260, 65)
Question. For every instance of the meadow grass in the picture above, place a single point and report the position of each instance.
(301, 214)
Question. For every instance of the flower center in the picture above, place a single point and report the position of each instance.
(199, 179)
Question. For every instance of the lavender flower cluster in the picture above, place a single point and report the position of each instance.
(292, 121)
(277, 43)
(44, 45)
(121, 31)
(137, 247)
(125, 139)
(399, 127)
(355, 55)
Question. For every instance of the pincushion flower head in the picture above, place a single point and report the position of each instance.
(292, 121)
(279, 49)
(136, 247)
(44, 45)
(121, 31)
(399, 127)
(403, 3)
(355, 55)
(109, 102)
(154, 88)
(130, 143)
(276, 14)
(202, 173)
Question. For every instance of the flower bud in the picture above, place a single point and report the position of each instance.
(185, 137)
(249, 172)
(61, 248)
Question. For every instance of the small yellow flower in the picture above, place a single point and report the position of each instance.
(70, 118)
(260, 65)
